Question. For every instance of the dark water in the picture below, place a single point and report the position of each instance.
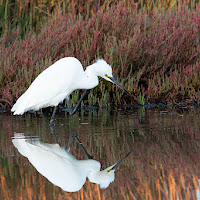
(164, 163)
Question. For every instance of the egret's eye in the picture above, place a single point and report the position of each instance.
(106, 75)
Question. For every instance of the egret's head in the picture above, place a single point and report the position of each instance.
(106, 176)
(104, 70)
(103, 178)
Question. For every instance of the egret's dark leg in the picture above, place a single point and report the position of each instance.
(69, 142)
(68, 106)
(84, 150)
(54, 134)
(86, 92)
(53, 117)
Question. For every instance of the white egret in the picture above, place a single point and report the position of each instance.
(58, 81)
(62, 168)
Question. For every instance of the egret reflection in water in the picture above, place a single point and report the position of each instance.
(60, 167)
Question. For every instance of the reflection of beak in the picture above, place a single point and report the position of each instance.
(117, 83)
(119, 163)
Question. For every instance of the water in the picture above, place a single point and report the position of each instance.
(164, 163)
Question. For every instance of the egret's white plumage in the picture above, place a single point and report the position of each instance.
(58, 81)
(60, 167)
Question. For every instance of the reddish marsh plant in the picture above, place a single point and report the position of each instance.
(154, 53)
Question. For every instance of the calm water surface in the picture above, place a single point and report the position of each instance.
(164, 163)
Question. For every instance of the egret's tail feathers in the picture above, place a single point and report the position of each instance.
(25, 103)
(20, 143)
(19, 136)
(18, 108)
(21, 106)
(17, 111)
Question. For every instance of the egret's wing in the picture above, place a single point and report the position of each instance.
(54, 148)
(51, 86)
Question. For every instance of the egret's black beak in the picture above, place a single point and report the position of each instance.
(119, 84)
(119, 163)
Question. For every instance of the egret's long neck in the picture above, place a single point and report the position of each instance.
(89, 166)
(91, 69)
(91, 79)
